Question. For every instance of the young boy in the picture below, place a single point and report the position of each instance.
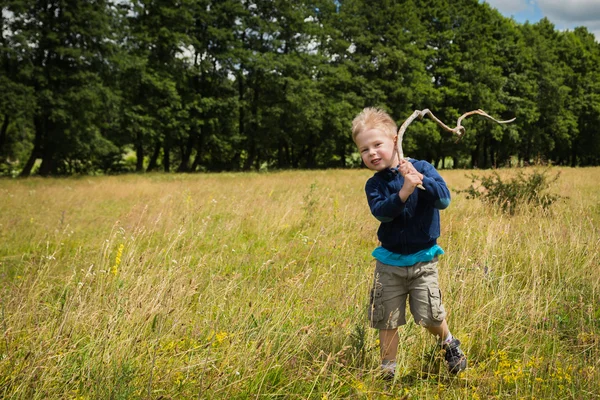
(410, 224)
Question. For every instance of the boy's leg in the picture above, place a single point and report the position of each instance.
(428, 310)
(387, 311)
(456, 359)
(388, 342)
(441, 331)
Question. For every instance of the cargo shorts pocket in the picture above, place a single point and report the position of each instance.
(435, 303)
(376, 309)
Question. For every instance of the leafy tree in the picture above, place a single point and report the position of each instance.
(63, 43)
(155, 40)
(579, 55)
(555, 121)
(17, 103)
(210, 85)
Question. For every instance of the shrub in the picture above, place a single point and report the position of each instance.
(523, 190)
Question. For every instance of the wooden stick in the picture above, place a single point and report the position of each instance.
(459, 130)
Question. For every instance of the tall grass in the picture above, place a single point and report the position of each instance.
(255, 285)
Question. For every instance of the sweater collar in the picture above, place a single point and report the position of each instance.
(389, 173)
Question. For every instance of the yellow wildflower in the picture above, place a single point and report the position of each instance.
(115, 268)
(359, 386)
(217, 338)
(221, 336)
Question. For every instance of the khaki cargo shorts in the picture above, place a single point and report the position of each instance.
(393, 285)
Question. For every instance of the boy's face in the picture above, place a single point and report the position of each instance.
(376, 149)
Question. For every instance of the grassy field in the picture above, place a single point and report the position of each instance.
(234, 286)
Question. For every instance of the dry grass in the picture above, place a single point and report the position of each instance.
(255, 285)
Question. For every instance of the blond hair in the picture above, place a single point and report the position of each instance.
(373, 118)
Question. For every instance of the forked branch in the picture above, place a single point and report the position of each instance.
(459, 130)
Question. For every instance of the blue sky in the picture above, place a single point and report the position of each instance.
(565, 14)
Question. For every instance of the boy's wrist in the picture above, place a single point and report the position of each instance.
(403, 194)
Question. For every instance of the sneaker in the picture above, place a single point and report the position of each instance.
(387, 374)
(456, 359)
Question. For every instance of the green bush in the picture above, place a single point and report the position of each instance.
(524, 190)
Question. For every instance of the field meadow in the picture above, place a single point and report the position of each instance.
(240, 286)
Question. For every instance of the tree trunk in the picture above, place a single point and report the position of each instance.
(486, 145)
(37, 144)
(251, 155)
(310, 152)
(342, 154)
(47, 165)
(295, 158)
(139, 153)
(252, 150)
(280, 154)
(3, 131)
(527, 155)
(242, 109)
(185, 158)
(288, 155)
(475, 154)
(153, 164)
(199, 151)
(186, 152)
(46, 149)
(167, 153)
(454, 162)
(26, 171)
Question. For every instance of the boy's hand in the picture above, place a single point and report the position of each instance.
(406, 167)
(411, 180)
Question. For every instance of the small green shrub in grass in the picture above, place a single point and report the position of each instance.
(524, 190)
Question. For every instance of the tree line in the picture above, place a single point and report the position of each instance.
(101, 86)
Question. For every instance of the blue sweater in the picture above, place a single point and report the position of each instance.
(407, 228)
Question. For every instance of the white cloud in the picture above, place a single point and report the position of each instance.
(564, 14)
(577, 12)
(568, 14)
(509, 7)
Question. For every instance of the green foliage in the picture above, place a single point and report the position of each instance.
(212, 85)
(523, 191)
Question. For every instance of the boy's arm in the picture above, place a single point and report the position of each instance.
(383, 207)
(435, 187)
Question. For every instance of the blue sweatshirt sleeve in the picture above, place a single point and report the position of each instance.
(385, 207)
(436, 190)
